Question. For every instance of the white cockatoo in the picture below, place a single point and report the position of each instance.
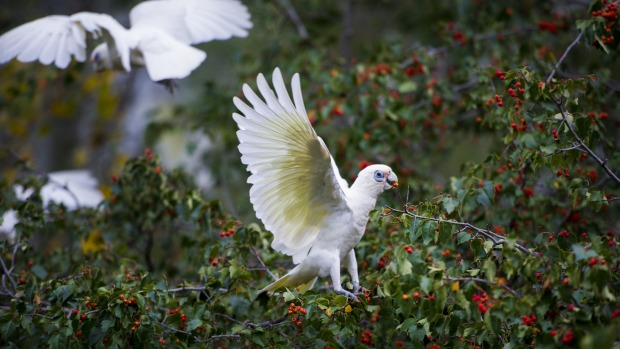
(73, 188)
(297, 190)
(160, 37)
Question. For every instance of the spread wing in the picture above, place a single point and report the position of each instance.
(296, 186)
(194, 21)
(55, 39)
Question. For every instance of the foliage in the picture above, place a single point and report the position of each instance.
(516, 248)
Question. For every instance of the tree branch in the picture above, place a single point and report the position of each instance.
(489, 235)
(601, 162)
(263, 263)
(294, 17)
(557, 65)
(488, 282)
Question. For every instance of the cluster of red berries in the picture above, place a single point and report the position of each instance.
(483, 301)
(383, 261)
(216, 260)
(498, 188)
(499, 74)
(408, 249)
(227, 233)
(296, 311)
(568, 337)
(539, 277)
(89, 304)
(528, 320)
(517, 127)
(382, 69)
(148, 154)
(592, 175)
(513, 93)
(602, 115)
(555, 135)
(446, 253)
(615, 313)
(367, 338)
(415, 68)
(564, 173)
(564, 234)
(182, 317)
(131, 301)
(594, 261)
(610, 14)
(544, 25)
(550, 238)
(498, 100)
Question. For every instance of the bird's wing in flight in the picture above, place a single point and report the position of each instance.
(167, 58)
(194, 21)
(295, 183)
(55, 39)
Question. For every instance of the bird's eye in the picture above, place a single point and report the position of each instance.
(379, 176)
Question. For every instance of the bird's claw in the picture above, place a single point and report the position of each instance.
(347, 294)
(358, 289)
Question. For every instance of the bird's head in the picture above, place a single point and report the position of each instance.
(377, 178)
(100, 57)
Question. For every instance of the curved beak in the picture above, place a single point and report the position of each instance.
(391, 181)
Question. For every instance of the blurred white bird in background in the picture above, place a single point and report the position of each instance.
(72, 188)
(297, 190)
(159, 38)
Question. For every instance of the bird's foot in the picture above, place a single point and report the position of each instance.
(358, 289)
(347, 294)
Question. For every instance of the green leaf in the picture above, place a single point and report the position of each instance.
(194, 324)
(340, 300)
(450, 203)
(462, 237)
(106, 325)
(63, 293)
(407, 87)
(404, 267)
(39, 271)
(483, 198)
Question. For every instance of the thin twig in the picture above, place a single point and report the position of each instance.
(488, 282)
(601, 162)
(260, 260)
(347, 32)
(557, 65)
(294, 17)
(223, 336)
(8, 275)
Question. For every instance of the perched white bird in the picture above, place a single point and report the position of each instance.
(159, 38)
(297, 190)
(73, 188)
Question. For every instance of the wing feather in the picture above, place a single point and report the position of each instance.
(194, 21)
(295, 184)
(55, 39)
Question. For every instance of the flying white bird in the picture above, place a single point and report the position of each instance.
(159, 38)
(73, 188)
(297, 190)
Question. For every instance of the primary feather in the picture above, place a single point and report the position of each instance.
(160, 36)
(297, 190)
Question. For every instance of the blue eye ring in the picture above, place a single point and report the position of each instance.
(379, 176)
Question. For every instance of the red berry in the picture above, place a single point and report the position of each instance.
(570, 307)
(75, 311)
